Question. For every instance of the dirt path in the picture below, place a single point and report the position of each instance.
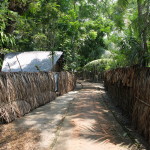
(76, 121)
(89, 125)
(38, 129)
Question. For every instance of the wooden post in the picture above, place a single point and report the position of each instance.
(9, 67)
(19, 63)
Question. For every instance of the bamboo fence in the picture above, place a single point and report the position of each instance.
(67, 82)
(129, 88)
(22, 92)
(94, 76)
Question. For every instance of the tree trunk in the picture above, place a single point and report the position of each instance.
(142, 36)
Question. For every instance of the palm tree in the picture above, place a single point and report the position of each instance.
(142, 24)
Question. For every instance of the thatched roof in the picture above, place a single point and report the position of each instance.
(30, 61)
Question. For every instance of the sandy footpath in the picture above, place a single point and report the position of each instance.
(78, 120)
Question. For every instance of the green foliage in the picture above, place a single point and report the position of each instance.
(99, 65)
(82, 29)
(5, 14)
(92, 35)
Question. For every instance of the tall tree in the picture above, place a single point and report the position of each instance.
(139, 25)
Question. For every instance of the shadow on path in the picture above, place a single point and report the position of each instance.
(78, 120)
(91, 126)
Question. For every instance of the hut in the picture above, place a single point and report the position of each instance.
(29, 80)
(33, 61)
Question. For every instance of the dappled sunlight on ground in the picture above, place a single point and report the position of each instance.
(90, 125)
(78, 120)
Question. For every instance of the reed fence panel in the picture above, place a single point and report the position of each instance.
(22, 92)
(129, 88)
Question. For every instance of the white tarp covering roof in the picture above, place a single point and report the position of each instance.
(29, 61)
